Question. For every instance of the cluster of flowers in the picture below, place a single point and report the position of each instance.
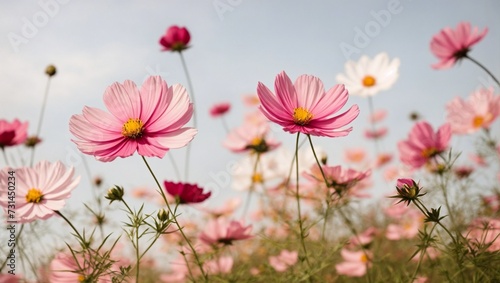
(152, 119)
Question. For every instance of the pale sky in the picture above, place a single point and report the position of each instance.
(235, 44)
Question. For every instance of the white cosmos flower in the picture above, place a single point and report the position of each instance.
(368, 77)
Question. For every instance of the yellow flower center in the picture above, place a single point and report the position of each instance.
(364, 258)
(257, 178)
(133, 128)
(478, 121)
(301, 116)
(256, 141)
(34, 195)
(81, 278)
(429, 152)
(369, 81)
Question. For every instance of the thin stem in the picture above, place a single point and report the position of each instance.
(72, 227)
(174, 165)
(484, 68)
(422, 254)
(252, 186)
(224, 124)
(297, 196)
(40, 119)
(191, 92)
(160, 189)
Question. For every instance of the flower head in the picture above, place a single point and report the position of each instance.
(219, 109)
(478, 112)
(451, 45)
(186, 193)
(305, 107)
(175, 39)
(408, 190)
(221, 265)
(250, 137)
(367, 77)
(41, 190)
(149, 120)
(12, 133)
(355, 263)
(220, 231)
(423, 144)
(284, 260)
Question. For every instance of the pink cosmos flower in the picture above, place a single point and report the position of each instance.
(478, 112)
(364, 238)
(64, 269)
(355, 263)
(377, 134)
(251, 100)
(378, 116)
(451, 45)
(149, 120)
(423, 144)
(407, 228)
(220, 231)
(250, 137)
(305, 107)
(10, 278)
(185, 192)
(222, 265)
(341, 180)
(175, 39)
(284, 260)
(40, 191)
(219, 109)
(354, 155)
(225, 209)
(12, 133)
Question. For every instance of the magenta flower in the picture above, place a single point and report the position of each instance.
(305, 107)
(219, 109)
(175, 39)
(423, 144)
(451, 45)
(12, 133)
(478, 112)
(40, 191)
(149, 120)
(220, 231)
(186, 193)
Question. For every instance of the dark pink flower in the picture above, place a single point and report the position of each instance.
(305, 107)
(175, 39)
(451, 45)
(149, 120)
(185, 192)
(12, 133)
(219, 109)
(423, 144)
(220, 231)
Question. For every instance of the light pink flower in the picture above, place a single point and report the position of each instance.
(354, 265)
(222, 265)
(220, 231)
(175, 39)
(284, 260)
(451, 45)
(478, 112)
(423, 144)
(10, 278)
(250, 137)
(340, 180)
(64, 269)
(251, 100)
(12, 133)
(40, 191)
(226, 209)
(220, 109)
(406, 228)
(179, 272)
(378, 116)
(364, 238)
(149, 121)
(377, 134)
(354, 155)
(305, 107)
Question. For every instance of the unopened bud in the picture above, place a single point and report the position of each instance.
(162, 215)
(115, 193)
(50, 70)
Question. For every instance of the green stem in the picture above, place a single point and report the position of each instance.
(179, 227)
(191, 92)
(422, 254)
(72, 227)
(297, 196)
(40, 119)
(484, 68)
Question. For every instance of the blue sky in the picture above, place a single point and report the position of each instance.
(235, 44)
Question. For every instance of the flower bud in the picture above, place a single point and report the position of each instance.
(51, 70)
(115, 193)
(162, 215)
